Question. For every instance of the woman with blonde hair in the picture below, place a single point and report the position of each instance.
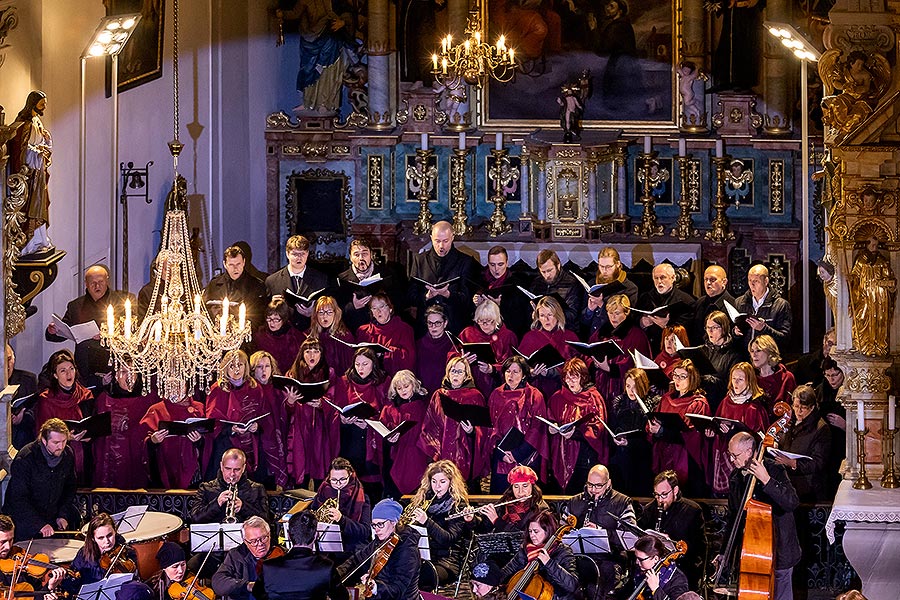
(443, 486)
(235, 396)
(625, 331)
(459, 441)
(775, 380)
(548, 328)
(488, 329)
(403, 460)
(272, 471)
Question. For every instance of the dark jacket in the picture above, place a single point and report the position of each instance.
(705, 306)
(683, 521)
(38, 494)
(393, 283)
(560, 570)
(594, 320)
(399, 579)
(777, 314)
(515, 308)
(23, 433)
(204, 506)
(444, 537)
(569, 289)
(246, 288)
(598, 512)
(672, 584)
(237, 570)
(299, 575)
(812, 437)
(722, 358)
(653, 299)
(312, 281)
(501, 524)
(782, 497)
(430, 267)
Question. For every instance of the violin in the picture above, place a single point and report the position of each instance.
(114, 561)
(26, 590)
(678, 552)
(36, 565)
(379, 559)
(527, 581)
(274, 552)
(189, 589)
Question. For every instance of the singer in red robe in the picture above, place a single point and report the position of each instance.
(433, 348)
(548, 327)
(328, 327)
(403, 460)
(278, 336)
(488, 329)
(178, 460)
(272, 469)
(390, 331)
(627, 333)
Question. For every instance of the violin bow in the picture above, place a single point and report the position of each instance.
(190, 588)
(113, 562)
(18, 566)
(364, 561)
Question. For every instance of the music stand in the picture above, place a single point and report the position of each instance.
(129, 519)
(105, 589)
(328, 537)
(633, 530)
(587, 540)
(424, 545)
(221, 537)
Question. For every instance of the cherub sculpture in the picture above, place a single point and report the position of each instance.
(861, 78)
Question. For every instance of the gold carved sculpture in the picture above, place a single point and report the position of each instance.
(861, 78)
(873, 291)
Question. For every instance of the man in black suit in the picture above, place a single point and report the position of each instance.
(715, 284)
(553, 279)
(297, 277)
(769, 314)
(680, 519)
(499, 284)
(664, 293)
(354, 301)
(442, 262)
(300, 574)
(238, 285)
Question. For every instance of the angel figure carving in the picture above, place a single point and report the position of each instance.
(861, 78)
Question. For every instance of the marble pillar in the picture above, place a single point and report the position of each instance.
(779, 72)
(382, 86)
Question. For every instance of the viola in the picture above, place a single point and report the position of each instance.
(379, 560)
(189, 589)
(114, 561)
(36, 565)
(678, 552)
(527, 581)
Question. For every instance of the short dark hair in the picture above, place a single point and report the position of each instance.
(339, 463)
(362, 241)
(279, 307)
(829, 364)
(6, 524)
(302, 528)
(650, 545)
(518, 360)
(495, 250)
(233, 252)
(667, 475)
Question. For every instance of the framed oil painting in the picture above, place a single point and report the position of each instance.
(627, 46)
(141, 60)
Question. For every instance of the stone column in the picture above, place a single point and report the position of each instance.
(779, 72)
(382, 86)
(525, 183)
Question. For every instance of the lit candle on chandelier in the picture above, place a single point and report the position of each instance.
(434, 62)
(501, 43)
(110, 319)
(157, 331)
(242, 316)
(127, 324)
(444, 66)
(512, 55)
(197, 304)
(223, 322)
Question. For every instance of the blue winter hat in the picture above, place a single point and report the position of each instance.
(387, 510)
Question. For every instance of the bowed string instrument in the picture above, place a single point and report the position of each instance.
(679, 551)
(757, 562)
(527, 581)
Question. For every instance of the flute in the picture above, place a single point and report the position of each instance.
(471, 511)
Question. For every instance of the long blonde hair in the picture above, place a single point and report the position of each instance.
(232, 355)
(457, 490)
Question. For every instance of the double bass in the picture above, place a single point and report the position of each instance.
(756, 576)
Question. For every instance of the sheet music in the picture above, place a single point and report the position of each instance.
(129, 519)
(220, 537)
(424, 545)
(328, 537)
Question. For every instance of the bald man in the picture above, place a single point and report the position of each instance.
(770, 315)
(664, 293)
(440, 263)
(594, 508)
(774, 488)
(212, 498)
(91, 358)
(715, 284)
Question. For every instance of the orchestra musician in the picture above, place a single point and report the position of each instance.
(444, 489)
(486, 580)
(8, 551)
(301, 574)
(774, 488)
(353, 513)
(213, 499)
(515, 516)
(235, 578)
(597, 508)
(172, 568)
(394, 550)
(556, 566)
(666, 583)
(40, 497)
(104, 552)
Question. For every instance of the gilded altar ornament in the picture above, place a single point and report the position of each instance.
(861, 79)
(738, 182)
(653, 180)
(721, 226)
(504, 177)
(873, 291)
(421, 179)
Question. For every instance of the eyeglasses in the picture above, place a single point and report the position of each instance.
(713, 327)
(379, 525)
(485, 321)
(338, 480)
(434, 323)
(325, 312)
(662, 495)
(734, 456)
(260, 541)
(457, 371)
(596, 486)
(679, 376)
(378, 307)
(641, 559)
(273, 319)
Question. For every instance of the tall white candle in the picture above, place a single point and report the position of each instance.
(682, 147)
(498, 141)
(197, 304)
(111, 321)
(648, 144)
(720, 148)
(424, 141)
(860, 415)
(462, 140)
(892, 412)
(223, 322)
(242, 316)
(127, 324)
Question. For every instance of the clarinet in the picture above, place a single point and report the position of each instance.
(592, 504)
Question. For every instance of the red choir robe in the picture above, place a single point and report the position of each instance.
(629, 336)
(444, 438)
(178, 459)
(778, 387)
(538, 338)
(672, 450)
(408, 460)
(67, 406)
(398, 337)
(126, 445)
(667, 362)
(338, 356)
(283, 344)
(519, 408)
(359, 446)
(273, 434)
(313, 438)
(502, 342)
(238, 405)
(565, 407)
(431, 356)
(751, 413)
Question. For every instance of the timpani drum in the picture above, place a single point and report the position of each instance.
(154, 529)
(60, 551)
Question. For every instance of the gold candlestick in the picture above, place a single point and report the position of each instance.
(459, 197)
(862, 482)
(721, 228)
(422, 177)
(889, 479)
(684, 226)
(648, 227)
(502, 174)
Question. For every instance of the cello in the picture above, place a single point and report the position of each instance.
(527, 581)
(757, 560)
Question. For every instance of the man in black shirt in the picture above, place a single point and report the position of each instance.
(354, 301)
(299, 278)
(664, 293)
(715, 284)
(212, 499)
(554, 280)
(239, 286)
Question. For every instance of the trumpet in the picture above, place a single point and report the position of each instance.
(230, 513)
(323, 513)
(408, 513)
(469, 510)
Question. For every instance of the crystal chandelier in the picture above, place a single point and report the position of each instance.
(473, 60)
(178, 343)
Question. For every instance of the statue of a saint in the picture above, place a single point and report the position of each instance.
(29, 150)
(873, 290)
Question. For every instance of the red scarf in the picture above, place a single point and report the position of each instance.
(515, 511)
(532, 550)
